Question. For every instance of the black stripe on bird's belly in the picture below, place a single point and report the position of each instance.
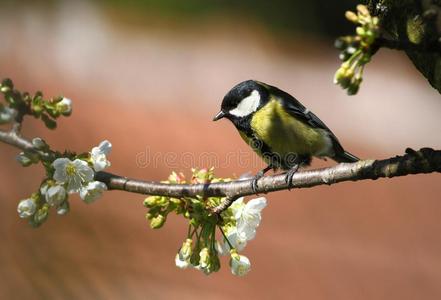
(276, 160)
(273, 159)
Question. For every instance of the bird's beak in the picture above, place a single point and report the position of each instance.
(219, 115)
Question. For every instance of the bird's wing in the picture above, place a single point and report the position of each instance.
(300, 112)
(297, 110)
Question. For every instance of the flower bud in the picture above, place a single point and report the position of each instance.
(240, 264)
(41, 215)
(39, 143)
(55, 195)
(157, 222)
(6, 85)
(26, 208)
(204, 260)
(176, 177)
(162, 201)
(186, 250)
(64, 107)
(351, 16)
(362, 9)
(180, 263)
(150, 201)
(360, 31)
(23, 159)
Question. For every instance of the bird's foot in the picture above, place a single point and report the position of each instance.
(256, 178)
(289, 176)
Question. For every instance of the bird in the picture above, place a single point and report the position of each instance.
(283, 132)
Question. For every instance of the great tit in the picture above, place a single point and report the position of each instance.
(279, 128)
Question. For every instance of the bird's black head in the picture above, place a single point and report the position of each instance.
(243, 100)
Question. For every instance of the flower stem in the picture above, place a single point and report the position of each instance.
(225, 237)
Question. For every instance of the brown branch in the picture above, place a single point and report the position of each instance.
(425, 160)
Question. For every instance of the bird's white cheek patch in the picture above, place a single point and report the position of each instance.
(247, 106)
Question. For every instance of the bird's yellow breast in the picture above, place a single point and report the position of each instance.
(285, 134)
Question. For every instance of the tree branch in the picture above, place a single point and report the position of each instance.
(425, 160)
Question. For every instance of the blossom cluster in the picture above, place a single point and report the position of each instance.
(202, 248)
(20, 104)
(66, 174)
(210, 235)
(356, 51)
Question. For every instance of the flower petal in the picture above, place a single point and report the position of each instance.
(83, 170)
(92, 191)
(60, 165)
(105, 147)
(56, 195)
(256, 205)
(237, 240)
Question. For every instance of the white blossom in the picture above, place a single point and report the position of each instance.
(240, 264)
(237, 239)
(75, 173)
(26, 208)
(248, 217)
(65, 106)
(92, 191)
(98, 155)
(55, 195)
(7, 114)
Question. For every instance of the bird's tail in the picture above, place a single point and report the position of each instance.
(345, 156)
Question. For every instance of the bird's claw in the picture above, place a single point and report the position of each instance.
(290, 175)
(256, 178)
(254, 182)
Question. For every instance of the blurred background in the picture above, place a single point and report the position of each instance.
(149, 76)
